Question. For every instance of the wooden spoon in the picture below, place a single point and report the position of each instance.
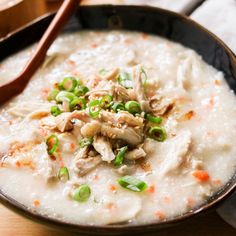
(17, 85)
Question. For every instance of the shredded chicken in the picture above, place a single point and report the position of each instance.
(126, 170)
(63, 121)
(139, 89)
(91, 129)
(120, 93)
(135, 154)
(103, 146)
(111, 75)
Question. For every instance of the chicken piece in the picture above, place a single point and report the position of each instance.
(103, 146)
(39, 114)
(122, 117)
(63, 121)
(91, 129)
(126, 170)
(81, 115)
(82, 153)
(139, 89)
(135, 154)
(120, 93)
(125, 133)
(67, 143)
(178, 151)
(96, 94)
(160, 105)
(85, 165)
(111, 75)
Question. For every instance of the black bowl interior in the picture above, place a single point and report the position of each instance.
(144, 19)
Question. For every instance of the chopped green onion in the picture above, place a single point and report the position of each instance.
(52, 95)
(133, 107)
(52, 144)
(85, 142)
(132, 183)
(120, 156)
(78, 104)
(94, 108)
(68, 84)
(105, 101)
(82, 193)
(153, 119)
(79, 82)
(81, 90)
(63, 174)
(125, 80)
(157, 133)
(117, 106)
(65, 96)
(55, 111)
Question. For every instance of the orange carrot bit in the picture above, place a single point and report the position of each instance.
(166, 199)
(55, 85)
(94, 45)
(144, 36)
(127, 41)
(71, 62)
(151, 189)
(190, 202)
(72, 146)
(45, 92)
(217, 82)
(160, 215)
(216, 182)
(18, 164)
(112, 188)
(96, 177)
(187, 116)
(111, 206)
(36, 203)
(201, 175)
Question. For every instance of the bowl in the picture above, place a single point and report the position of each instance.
(151, 20)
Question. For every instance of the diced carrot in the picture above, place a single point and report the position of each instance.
(112, 188)
(144, 36)
(145, 165)
(72, 146)
(36, 202)
(127, 41)
(55, 86)
(201, 175)
(18, 164)
(111, 206)
(93, 45)
(151, 189)
(96, 177)
(160, 215)
(217, 82)
(71, 62)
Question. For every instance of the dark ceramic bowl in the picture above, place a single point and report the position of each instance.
(144, 19)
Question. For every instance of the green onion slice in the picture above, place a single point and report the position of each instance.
(117, 106)
(68, 84)
(120, 156)
(55, 110)
(132, 183)
(94, 108)
(81, 90)
(65, 96)
(133, 107)
(125, 80)
(78, 104)
(52, 95)
(157, 133)
(52, 144)
(102, 71)
(82, 193)
(153, 119)
(105, 101)
(63, 174)
(85, 142)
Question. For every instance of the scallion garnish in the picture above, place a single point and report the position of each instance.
(52, 144)
(55, 110)
(153, 119)
(158, 133)
(85, 142)
(81, 90)
(94, 108)
(133, 107)
(125, 80)
(65, 96)
(117, 106)
(82, 193)
(52, 95)
(102, 71)
(120, 156)
(63, 174)
(68, 84)
(78, 104)
(132, 183)
(105, 101)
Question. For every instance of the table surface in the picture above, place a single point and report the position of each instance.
(12, 224)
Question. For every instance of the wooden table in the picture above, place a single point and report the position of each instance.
(14, 225)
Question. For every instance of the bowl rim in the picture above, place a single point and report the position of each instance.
(218, 197)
